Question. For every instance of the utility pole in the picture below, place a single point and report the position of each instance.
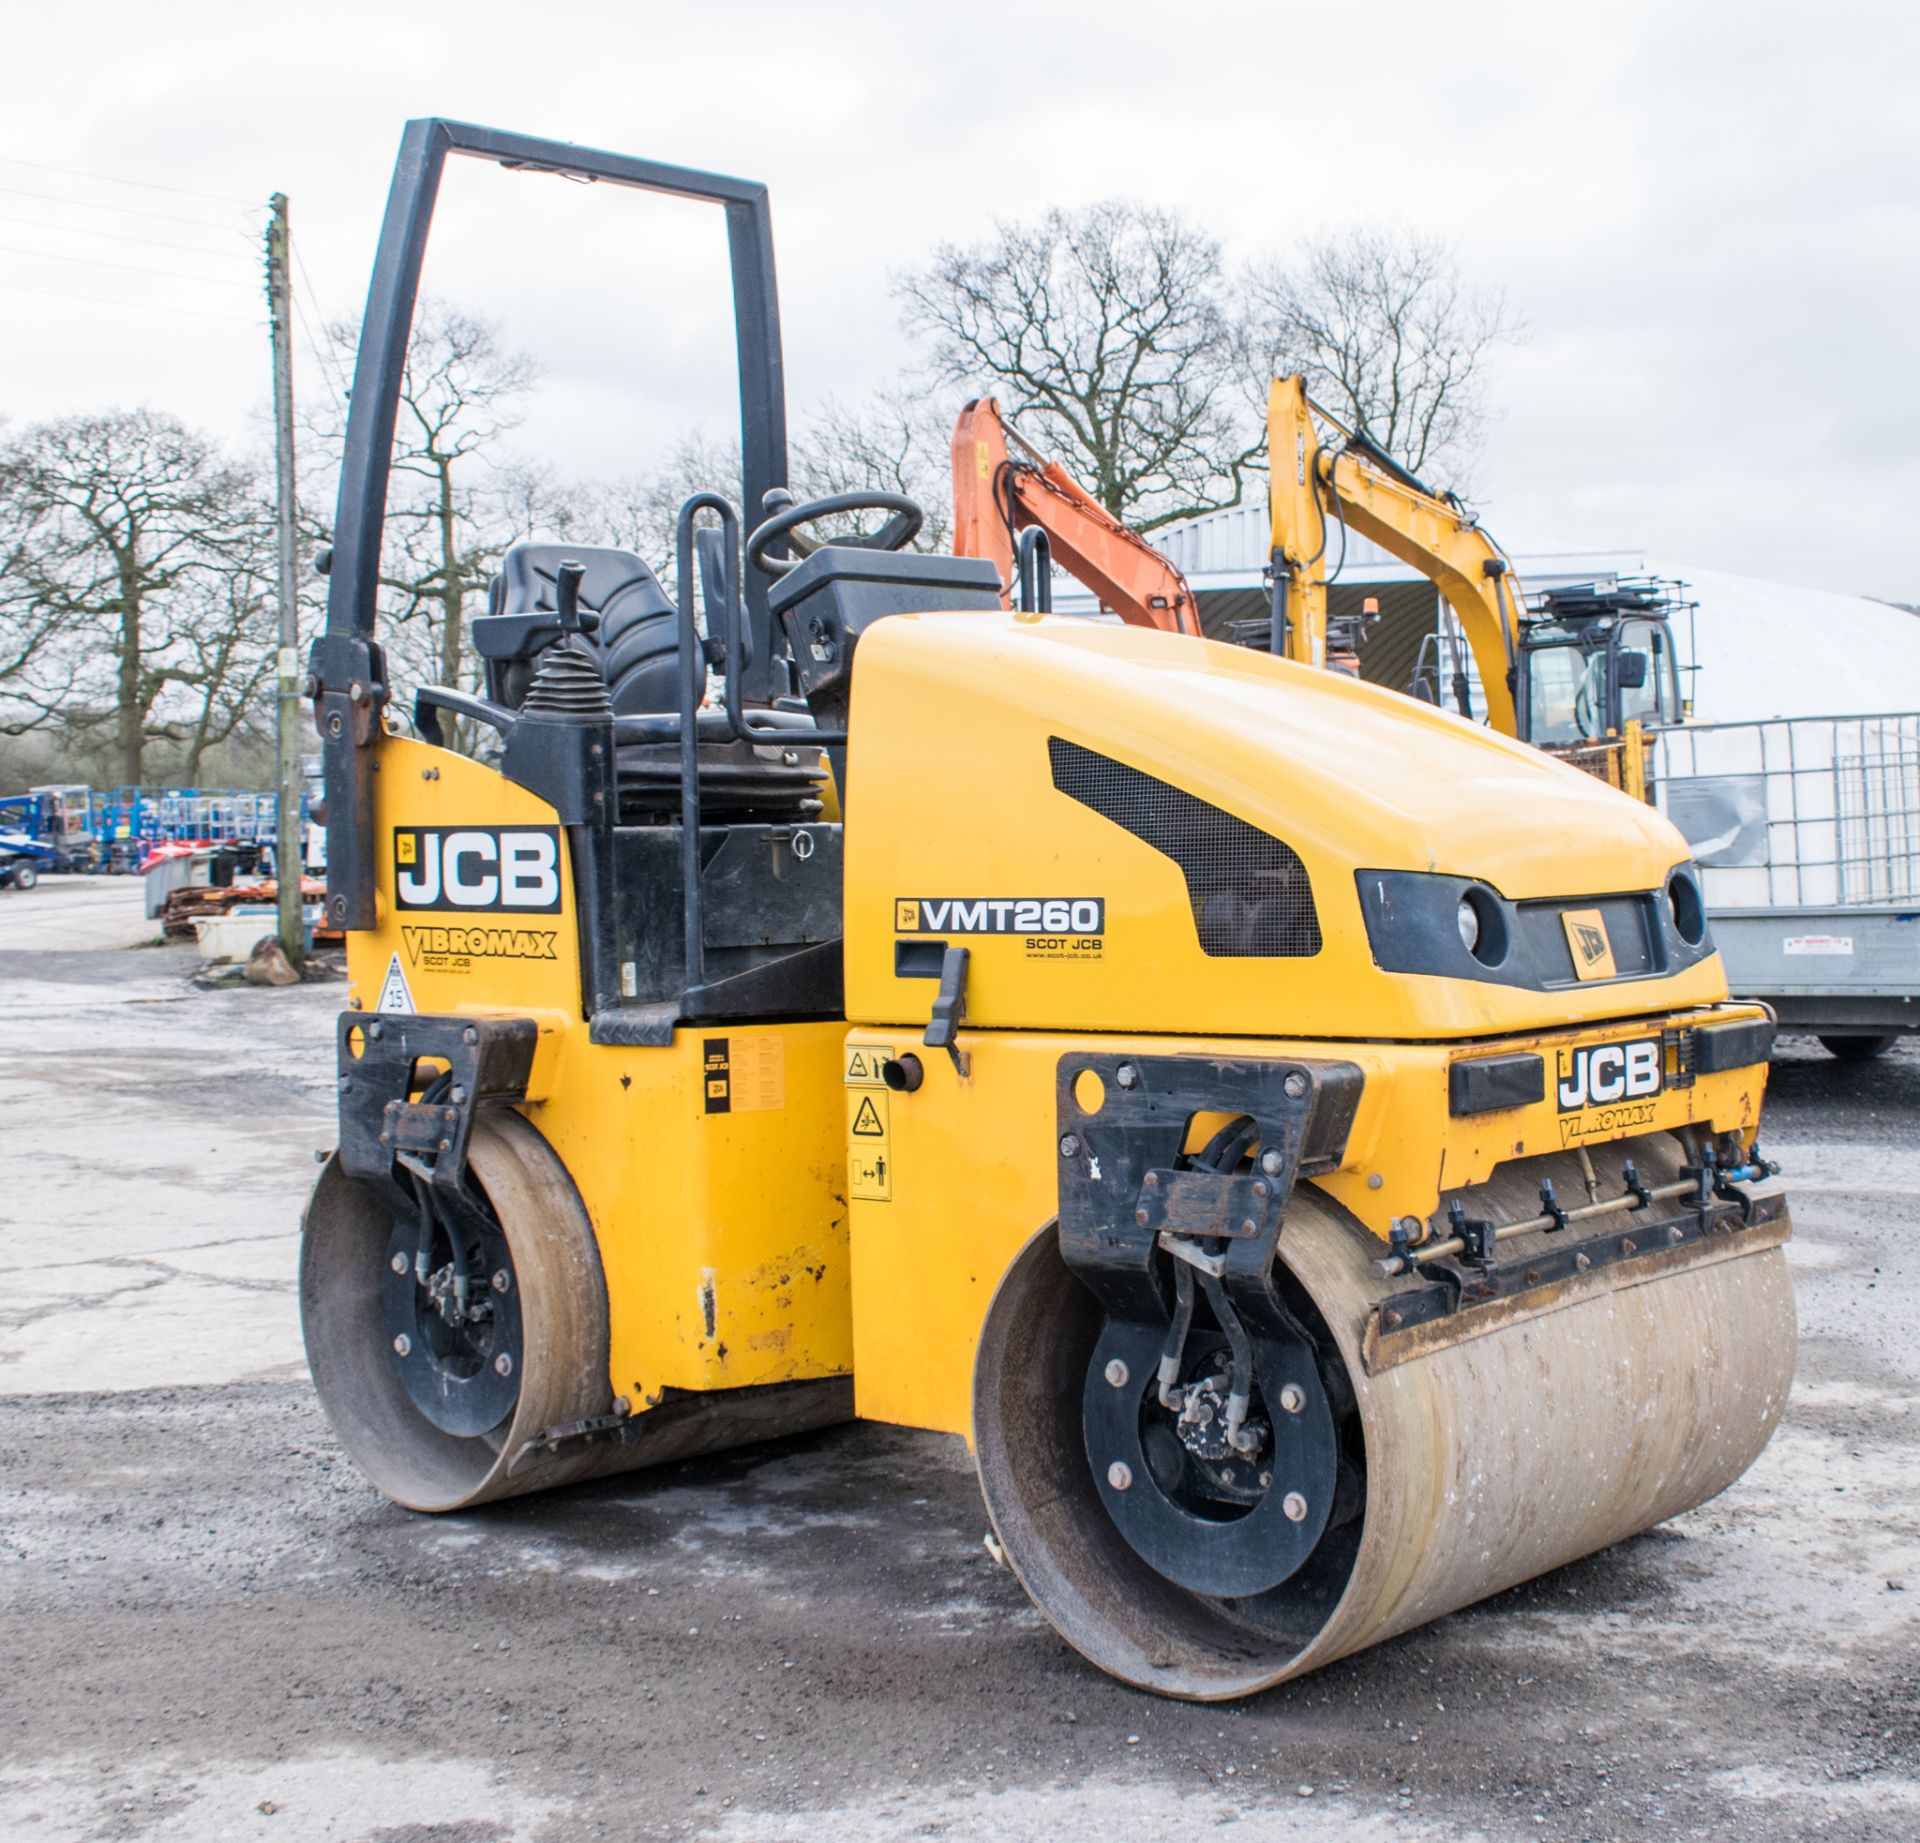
(289, 852)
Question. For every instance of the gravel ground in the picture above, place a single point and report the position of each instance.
(213, 1630)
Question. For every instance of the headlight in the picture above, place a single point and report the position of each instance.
(1689, 912)
(1467, 916)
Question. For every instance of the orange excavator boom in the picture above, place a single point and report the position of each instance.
(995, 497)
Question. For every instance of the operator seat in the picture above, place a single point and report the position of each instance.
(629, 625)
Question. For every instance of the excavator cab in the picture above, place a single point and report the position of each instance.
(1594, 660)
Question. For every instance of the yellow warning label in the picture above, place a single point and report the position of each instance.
(906, 916)
(403, 848)
(759, 1074)
(864, 1063)
(869, 1148)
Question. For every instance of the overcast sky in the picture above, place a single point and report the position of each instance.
(1708, 214)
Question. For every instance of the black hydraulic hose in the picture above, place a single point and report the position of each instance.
(1173, 1349)
(1240, 1378)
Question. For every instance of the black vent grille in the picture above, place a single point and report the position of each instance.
(1250, 894)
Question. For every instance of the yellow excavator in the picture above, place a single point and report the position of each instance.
(1584, 677)
(1301, 1142)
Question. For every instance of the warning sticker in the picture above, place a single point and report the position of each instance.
(1819, 944)
(394, 995)
(869, 1146)
(864, 1063)
(745, 1074)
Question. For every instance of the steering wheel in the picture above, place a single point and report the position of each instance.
(896, 534)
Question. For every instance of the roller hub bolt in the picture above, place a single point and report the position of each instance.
(1117, 1374)
(402, 1345)
(1120, 1475)
(503, 1366)
(1295, 1506)
(1293, 1398)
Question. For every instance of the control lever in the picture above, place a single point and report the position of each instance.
(950, 1008)
(566, 595)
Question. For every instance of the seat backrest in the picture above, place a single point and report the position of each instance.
(631, 626)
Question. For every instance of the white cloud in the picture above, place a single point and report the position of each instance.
(1706, 211)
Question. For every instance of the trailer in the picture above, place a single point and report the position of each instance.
(1807, 833)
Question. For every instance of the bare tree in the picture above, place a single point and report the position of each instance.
(889, 442)
(1102, 330)
(123, 530)
(230, 648)
(1388, 336)
(454, 495)
(895, 441)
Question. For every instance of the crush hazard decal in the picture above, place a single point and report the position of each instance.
(1052, 927)
(869, 1134)
(502, 869)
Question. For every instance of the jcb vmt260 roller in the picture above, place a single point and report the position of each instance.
(1300, 1139)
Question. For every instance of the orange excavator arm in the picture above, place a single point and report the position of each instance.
(995, 497)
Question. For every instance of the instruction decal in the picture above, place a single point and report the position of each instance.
(744, 1074)
(394, 995)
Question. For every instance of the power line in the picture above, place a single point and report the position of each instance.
(146, 185)
(322, 347)
(132, 268)
(128, 211)
(121, 236)
(313, 346)
(101, 300)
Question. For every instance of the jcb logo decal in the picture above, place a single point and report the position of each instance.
(999, 915)
(1599, 1074)
(447, 867)
(1587, 941)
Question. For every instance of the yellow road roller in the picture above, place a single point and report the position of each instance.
(1300, 1139)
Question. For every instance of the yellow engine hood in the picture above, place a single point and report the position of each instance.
(952, 795)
